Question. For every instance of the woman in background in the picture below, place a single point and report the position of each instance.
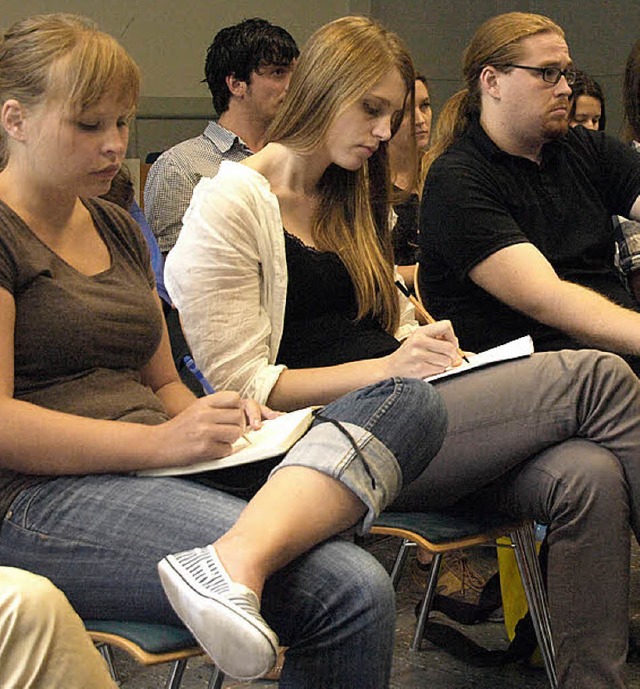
(406, 148)
(587, 103)
(627, 258)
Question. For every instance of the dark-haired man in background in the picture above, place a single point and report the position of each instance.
(247, 69)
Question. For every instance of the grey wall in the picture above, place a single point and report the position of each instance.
(169, 40)
(599, 34)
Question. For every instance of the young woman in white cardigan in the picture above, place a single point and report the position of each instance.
(284, 280)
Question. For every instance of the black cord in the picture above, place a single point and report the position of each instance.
(317, 413)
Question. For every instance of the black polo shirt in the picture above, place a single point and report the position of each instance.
(478, 199)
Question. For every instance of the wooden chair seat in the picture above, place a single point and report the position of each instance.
(149, 644)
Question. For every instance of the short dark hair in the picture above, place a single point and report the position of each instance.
(584, 85)
(242, 49)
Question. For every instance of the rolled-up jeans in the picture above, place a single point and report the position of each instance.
(99, 538)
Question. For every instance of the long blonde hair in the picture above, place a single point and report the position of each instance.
(496, 43)
(63, 56)
(338, 66)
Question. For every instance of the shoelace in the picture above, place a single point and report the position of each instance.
(458, 564)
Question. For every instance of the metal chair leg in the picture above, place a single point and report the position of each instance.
(216, 679)
(175, 675)
(527, 559)
(400, 561)
(427, 601)
(107, 654)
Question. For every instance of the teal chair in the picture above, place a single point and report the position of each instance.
(149, 644)
(441, 532)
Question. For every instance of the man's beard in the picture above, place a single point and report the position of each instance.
(555, 128)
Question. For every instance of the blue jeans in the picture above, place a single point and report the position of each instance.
(99, 538)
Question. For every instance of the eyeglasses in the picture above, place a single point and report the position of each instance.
(551, 75)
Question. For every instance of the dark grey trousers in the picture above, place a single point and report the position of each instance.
(555, 437)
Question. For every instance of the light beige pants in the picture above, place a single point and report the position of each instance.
(43, 643)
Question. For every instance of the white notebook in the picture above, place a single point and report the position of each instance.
(516, 349)
(274, 438)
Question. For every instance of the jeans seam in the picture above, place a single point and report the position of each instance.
(389, 400)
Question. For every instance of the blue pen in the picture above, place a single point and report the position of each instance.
(206, 385)
(191, 365)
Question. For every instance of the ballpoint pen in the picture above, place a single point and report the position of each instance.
(422, 311)
(206, 385)
(191, 365)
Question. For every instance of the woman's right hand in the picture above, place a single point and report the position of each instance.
(428, 350)
(204, 430)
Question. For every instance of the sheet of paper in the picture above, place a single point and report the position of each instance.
(516, 349)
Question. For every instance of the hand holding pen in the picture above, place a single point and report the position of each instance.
(207, 387)
(422, 311)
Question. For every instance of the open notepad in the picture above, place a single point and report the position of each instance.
(274, 438)
(516, 349)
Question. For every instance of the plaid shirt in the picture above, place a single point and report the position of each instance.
(174, 175)
(627, 237)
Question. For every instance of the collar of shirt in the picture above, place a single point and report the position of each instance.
(223, 139)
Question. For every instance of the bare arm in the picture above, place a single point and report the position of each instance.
(635, 210)
(430, 349)
(521, 277)
(41, 441)
(408, 273)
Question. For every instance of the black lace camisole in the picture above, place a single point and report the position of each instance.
(319, 323)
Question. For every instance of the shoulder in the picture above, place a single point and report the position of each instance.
(462, 167)
(235, 183)
(14, 245)
(198, 156)
(583, 142)
(466, 154)
(114, 217)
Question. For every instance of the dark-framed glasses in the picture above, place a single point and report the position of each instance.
(551, 75)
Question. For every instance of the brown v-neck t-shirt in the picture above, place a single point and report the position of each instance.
(80, 341)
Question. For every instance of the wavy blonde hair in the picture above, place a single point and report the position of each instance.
(497, 43)
(63, 56)
(339, 64)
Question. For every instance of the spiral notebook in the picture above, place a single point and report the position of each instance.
(274, 438)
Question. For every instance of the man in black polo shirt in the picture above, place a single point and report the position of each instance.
(516, 231)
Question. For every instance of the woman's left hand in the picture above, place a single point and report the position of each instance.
(256, 413)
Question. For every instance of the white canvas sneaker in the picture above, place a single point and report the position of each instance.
(224, 616)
